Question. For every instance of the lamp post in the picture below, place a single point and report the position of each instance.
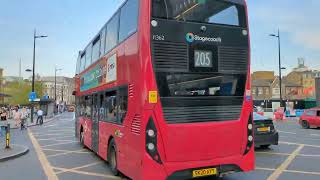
(35, 36)
(55, 82)
(280, 67)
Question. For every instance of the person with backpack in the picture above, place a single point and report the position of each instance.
(40, 116)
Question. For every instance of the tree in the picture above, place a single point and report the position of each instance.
(19, 91)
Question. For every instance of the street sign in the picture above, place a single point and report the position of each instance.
(32, 96)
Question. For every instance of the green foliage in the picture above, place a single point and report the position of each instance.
(19, 90)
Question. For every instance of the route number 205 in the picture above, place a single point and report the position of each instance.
(202, 58)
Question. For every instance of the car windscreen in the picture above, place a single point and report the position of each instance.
(201, 11)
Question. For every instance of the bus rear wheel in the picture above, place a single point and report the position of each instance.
(112, 158)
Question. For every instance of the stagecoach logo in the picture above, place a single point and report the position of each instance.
(190, 37)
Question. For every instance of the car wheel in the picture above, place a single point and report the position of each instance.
(305, 124)
(264, 146)
(112, 158)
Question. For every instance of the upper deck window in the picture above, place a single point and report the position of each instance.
(201, 11)
(128, 19)
(112, 33)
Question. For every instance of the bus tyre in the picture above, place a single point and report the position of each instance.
(112, 158)
(305, 124)
(265, 146)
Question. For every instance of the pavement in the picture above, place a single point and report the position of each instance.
(56, 154)
(29, 124)
(14, 151)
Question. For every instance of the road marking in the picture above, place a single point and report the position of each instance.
(77, 168)
(265, 169)
(88, 173)
(285, 164)
(55, 134)
(291, 143)
(69, 152)
(61, 140)
(314, 134)
(302, 172)
(42, 158)
(309, 155)
(49, 145)
(56, 138)
(286, 132)
(273, 153)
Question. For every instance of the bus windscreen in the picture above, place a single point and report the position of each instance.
(200, 11)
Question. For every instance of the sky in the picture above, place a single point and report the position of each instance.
(71, 24)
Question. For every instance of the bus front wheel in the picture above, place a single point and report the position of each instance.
(112, 158)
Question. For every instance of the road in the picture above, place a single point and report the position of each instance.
(56, 153)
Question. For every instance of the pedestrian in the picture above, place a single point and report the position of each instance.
(3, 115)
(40, 116)
(24, 117)
(17, 116)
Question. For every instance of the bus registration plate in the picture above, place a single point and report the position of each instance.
(204, 172)
(264, 129)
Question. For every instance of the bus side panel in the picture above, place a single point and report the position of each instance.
(87, 127)
(103, 140)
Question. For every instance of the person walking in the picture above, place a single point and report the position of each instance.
(40, 116)
(24, 117)
(17, 116)
(3, 115)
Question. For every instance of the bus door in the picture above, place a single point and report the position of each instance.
(95, 122)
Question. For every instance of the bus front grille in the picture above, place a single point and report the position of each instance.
(194, 114)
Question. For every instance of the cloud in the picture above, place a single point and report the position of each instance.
(299, 19)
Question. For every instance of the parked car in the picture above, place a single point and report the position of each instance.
(310, 118)
(279, 114)
(265, 133)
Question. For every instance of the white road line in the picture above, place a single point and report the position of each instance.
(291, 143)
(303, 172)
(286, 132)
(285, 164)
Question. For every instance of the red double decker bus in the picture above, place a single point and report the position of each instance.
(163, 90)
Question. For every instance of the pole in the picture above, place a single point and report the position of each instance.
(55, 84)
(62, 92)
(33, 71)
(280, 74)
(8, 136)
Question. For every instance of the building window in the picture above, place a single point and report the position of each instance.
(128, 19)
(260, 91)
(267, 91)
(253, 91)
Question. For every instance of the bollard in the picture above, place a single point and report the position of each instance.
(8, 136)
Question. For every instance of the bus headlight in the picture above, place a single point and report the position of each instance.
(151, 141)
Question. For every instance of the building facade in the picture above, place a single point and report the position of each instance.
(64, 88)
